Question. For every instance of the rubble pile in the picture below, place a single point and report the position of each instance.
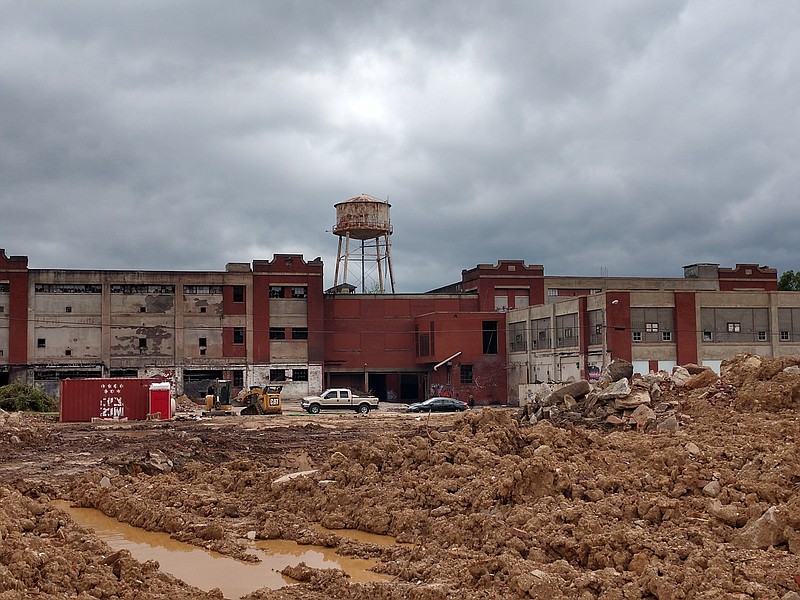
(621, 398)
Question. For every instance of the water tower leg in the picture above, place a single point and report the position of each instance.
(338, 260)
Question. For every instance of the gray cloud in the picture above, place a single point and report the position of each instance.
(635, 137)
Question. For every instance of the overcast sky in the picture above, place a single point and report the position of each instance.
(629, 136)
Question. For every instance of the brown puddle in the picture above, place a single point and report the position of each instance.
(207, 570)
(360, 536)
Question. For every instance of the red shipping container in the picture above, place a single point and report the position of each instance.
(82, 400)
(161, 399)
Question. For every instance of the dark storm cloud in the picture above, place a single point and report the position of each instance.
(626, 136)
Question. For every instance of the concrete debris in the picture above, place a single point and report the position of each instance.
(747, 382)
(766, 531)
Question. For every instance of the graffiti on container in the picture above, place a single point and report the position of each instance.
(111, 404)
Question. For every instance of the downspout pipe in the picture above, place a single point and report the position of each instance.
(446, 360)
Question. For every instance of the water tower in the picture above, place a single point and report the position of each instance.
(363, 227)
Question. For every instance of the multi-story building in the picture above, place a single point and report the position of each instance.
(271, 321)
(654, 329)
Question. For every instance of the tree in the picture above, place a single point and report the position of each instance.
(789, 282)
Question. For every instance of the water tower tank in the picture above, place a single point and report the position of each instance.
(364, 230)
(362, 218)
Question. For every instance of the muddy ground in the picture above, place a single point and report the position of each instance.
(490, 506)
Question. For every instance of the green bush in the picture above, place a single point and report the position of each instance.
(18, 396)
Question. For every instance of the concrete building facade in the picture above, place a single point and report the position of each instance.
(272, 321)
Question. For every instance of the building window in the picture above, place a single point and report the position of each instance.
(68, 309)
(40, 343)
(2, 309)
(466, 373)
(299, 291)
(238, 378)
(198, 290)
(142, 309)
(552, 292)
(785, 337)
(651, 327)
(299, 333)
(202, 351)
(277, 333)
(666, 336)
(490, 337)
(707, 336)
(142, 344)
(2, 353)
(424, 344)
(734, 327)
(518, 335)
(238, 335)
(637, 336)
(238, 293)
(202, 309)
(277, 374)
(202, 342)
(762, 336)
(568, 332)
(299, 374)
(67, 352)
(275, 291)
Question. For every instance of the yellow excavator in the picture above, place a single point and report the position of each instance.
(256, 400)
(260, 400)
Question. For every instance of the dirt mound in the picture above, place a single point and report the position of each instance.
(771, 384)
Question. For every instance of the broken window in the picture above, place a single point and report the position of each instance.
(490, 337)
(707, 335)
(238, 335)
(299, 333)
(277, 374)
(67, 352)
(40, 343)
(142, 344)
(466, 374)
(277, 333)
(734, 327)
(142, 309)
(299, 374)
(202, 309)
(238, 293)
(299, 291)
(202, 342)
(275, 291)
(238, 378)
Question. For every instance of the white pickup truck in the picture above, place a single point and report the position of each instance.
(339, 399)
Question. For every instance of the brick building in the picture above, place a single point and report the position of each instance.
(271, 321)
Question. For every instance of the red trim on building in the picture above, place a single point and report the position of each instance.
(685, 328)
(15, 270)
(747, 277)
(618, 325)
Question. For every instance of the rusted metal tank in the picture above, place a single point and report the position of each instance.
(362, 218)
(82, 400)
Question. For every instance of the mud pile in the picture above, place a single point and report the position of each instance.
(485, 505)
(44, 554)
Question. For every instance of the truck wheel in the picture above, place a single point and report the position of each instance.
(314, 409)
(363, 409)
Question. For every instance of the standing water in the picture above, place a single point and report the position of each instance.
(207, 570)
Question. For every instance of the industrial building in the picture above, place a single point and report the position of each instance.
(271, 321)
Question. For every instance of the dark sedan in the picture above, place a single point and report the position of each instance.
(437, 404)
